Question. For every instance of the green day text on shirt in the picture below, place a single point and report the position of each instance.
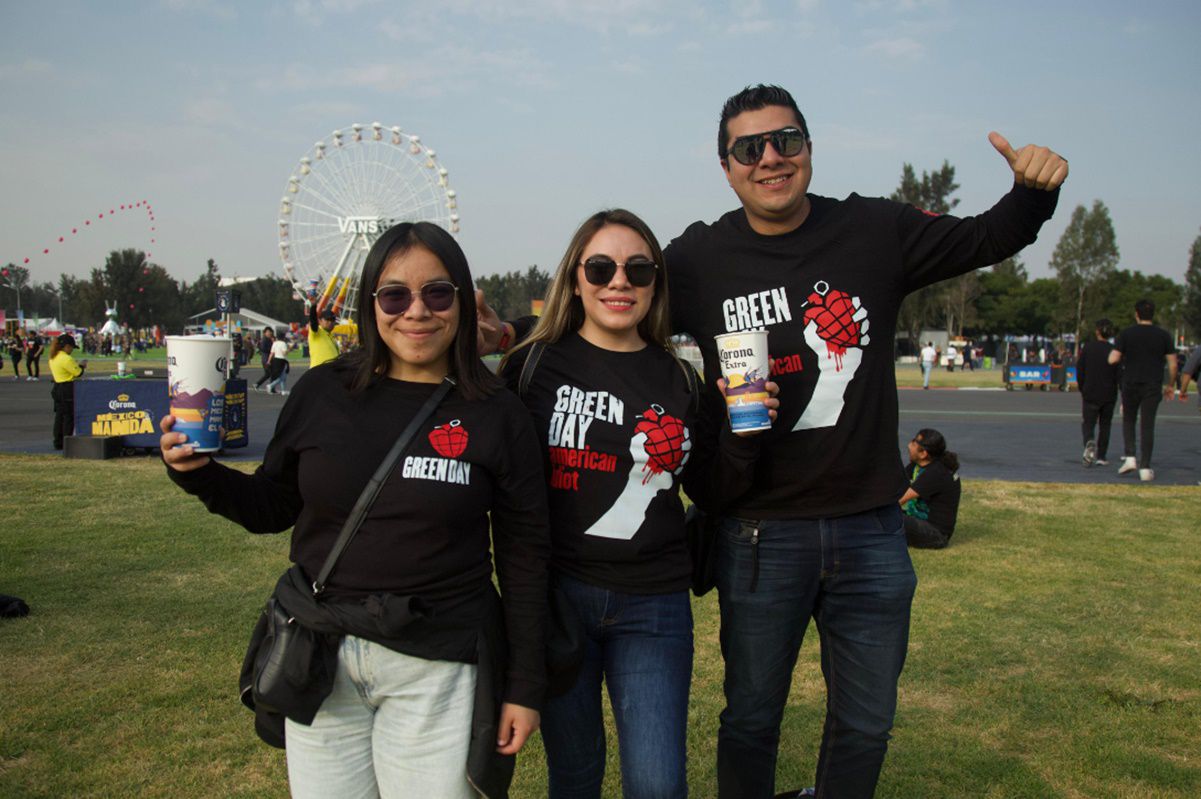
(657, 451)
(450, 441)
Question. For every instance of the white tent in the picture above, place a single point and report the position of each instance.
(249, 320)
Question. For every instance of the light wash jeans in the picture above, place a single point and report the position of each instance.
(927, 368)
(394, 726)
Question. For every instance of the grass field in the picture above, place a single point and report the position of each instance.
(1054, 647)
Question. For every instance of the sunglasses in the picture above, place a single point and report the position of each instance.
(600, 269)
(747, 150)
(436, 296)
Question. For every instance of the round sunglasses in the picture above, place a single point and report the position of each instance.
(438, 295)
(600, 269)
(747, 150)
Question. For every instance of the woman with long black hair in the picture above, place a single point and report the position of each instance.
(403, 714)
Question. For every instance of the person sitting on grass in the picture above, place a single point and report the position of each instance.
(931, 503)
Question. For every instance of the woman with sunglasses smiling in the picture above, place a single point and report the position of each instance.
(615, 412)
(403, 715)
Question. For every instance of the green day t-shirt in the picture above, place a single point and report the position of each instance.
(616, 432)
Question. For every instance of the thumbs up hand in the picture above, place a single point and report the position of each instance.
(1033, 166)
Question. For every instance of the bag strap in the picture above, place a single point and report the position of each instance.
(690, 378)
(359, 512)
(527, 368)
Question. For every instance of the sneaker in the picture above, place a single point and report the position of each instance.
(1100, 462)
(1146, 475)
(1128, 465)
(1090, 453)
(799, 794)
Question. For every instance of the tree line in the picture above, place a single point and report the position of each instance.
(145, 295)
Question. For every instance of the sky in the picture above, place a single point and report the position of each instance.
(544, 111)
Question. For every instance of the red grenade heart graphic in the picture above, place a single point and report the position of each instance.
(450, 439)
(666, 438)
(834, 316)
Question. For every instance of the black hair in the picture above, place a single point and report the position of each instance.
(936, 447)
(1145, 310)
(1105, 327)
(753, 98)
(371, 361)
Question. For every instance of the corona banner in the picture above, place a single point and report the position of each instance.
(131, 409)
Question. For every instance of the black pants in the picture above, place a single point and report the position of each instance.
(1144, 399)
(16, 365)
(920, 534)
(64, 412)
(266, 374)
(1098, 416)
(33, 366)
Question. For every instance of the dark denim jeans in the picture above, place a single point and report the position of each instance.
(641, 645)
(853, 576)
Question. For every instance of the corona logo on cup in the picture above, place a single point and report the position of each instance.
(221, 364)
(744, 364)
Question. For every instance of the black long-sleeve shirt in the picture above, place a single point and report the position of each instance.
(828, 295)
(427, 535)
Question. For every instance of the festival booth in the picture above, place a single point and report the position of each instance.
(130, 410)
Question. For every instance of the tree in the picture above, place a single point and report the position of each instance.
(271, 296)
(16, 278)
(1086, 253)
(202, 295)
(1122, 288)
(932, 193)
(1191, 306)
(510, 294)
(145, 295)
(1003, 295)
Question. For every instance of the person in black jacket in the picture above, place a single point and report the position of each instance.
(1098, 382)
(413, 591)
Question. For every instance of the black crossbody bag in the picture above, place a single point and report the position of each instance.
(284, 657)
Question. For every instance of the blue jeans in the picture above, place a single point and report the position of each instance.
(853, 576)
(641, 646)
(927, 368)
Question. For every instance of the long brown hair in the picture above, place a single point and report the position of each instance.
(563, 311)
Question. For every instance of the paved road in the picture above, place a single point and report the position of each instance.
(999, 435)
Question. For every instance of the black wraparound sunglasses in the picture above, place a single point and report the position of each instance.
(436, 296)
(747, 150)
(600, 269)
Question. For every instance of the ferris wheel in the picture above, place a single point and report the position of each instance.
(343, 194)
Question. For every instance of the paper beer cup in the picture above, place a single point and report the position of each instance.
(196, 388)
(744, 365)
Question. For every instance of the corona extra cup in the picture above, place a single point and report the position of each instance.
(744, 365)
(196, 386)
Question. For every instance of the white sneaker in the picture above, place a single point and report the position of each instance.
(1101, 462)
(1128, 465)
(1146, 475)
